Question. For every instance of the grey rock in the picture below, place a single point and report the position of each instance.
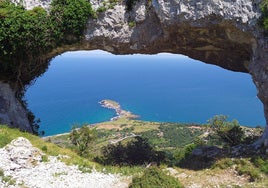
(11, 111)
(22, 162)
(30, 4)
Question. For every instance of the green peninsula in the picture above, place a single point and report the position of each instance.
(119, 111)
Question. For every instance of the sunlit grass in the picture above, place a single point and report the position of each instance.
(8, 134)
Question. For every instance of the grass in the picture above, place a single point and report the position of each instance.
(244, 166)
(107, 4)
(155, 177)
(132, 24)
(8, 179)
(8, 134)
(226, 171)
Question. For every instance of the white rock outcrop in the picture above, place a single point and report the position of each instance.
(23, 163)
(30, 4)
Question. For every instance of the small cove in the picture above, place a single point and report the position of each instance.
(164, 87)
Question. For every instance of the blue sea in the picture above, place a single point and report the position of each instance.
(163, 87)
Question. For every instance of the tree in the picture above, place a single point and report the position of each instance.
(136, 152)
(82, 138)
(229, 132)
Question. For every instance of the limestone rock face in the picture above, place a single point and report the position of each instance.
(220, 32)
(11, 110)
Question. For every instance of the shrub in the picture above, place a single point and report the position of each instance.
(264, 17)
(229, 132)
(44, 148)
(44, 158)
(154, 177)
(69, 18)
(132, 24)
(182, 154)
(224, 163)
(101, 9)
(135, 152)
(260, 163)
(82, 138)
(26, 36)
(245, 167)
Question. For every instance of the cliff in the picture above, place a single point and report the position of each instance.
(220, 32)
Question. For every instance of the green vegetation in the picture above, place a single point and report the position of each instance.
(8, 134)
(44, 158)
(8, 179)
(83, 138)
(69, 19)
(27, 36)
(136, 152)
(23, 37)
(120, 142)
(179, 134)
(154, 177)
(242, 166)
(230, 132)
(261, 163)
(109, 4)
(264, 17)
(132, 24)
(150, 145)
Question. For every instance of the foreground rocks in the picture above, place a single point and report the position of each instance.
(24, 165)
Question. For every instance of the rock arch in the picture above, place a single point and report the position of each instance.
(220, 32)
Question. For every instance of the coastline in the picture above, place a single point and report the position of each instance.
(120, 113)
(110, 104)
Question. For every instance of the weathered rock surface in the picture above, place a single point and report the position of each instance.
(220, 32)
(23, 163)
(30, 4)
(11, 110)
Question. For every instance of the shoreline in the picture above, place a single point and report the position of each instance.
(120, 113)
(109, 104)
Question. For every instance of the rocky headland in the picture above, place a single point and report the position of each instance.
(120, 113)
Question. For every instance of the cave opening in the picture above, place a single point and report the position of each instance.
(163, 87)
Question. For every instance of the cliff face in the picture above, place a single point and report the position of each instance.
(220, 32)
(216, 32)
(11, 110)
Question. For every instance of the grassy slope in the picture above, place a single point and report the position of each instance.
(8, 134)
(225, 171)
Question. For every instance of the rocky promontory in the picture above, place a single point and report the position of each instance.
(120, 113)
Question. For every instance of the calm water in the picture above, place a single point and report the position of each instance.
(168, 88)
